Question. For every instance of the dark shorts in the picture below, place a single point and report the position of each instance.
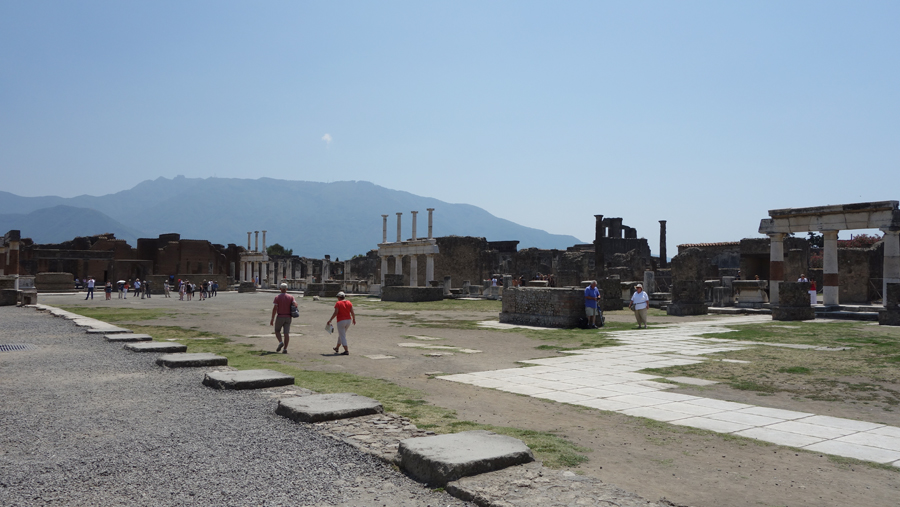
(282, 323)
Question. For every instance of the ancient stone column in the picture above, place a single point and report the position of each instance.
(430, 223)
(309, 271)
(429, 269)
(662, 244)
(255, 271)
(384, 228)
(414, 213)
(891, 273)
(248, 241)
(414, 266)
(776, 264)
(264, 241)
(649, 282)
(256, 241)
(346, 270)
(398, 264)
(830, 269)
(447, 286)
(384, 266)
(599, 230)
(398, 227)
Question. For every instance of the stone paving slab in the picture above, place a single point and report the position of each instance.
(692, 381)
(193, 360)
(440, 459)
(128, 337)
(327, 407)
(767, 434)
(864, 452)
(246, 379)
(156, 347)
(107, 330)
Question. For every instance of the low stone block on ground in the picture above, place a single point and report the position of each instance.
(107, 329)
(193, 360)
(156, 347)
(440, 459)
(128, 337)
(247, 379)
(327, 407)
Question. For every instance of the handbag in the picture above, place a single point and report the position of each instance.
(295, 311)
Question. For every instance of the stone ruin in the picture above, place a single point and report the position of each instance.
(688, 289)
(794, 302)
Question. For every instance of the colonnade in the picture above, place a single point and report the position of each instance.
(411, 249)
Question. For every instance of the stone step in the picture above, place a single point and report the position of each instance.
(192, 360)
(156, 347)
(327, 407)
(128, 337)
(440, 459)
(247, 379)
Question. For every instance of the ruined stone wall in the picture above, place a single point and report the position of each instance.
(853, 275)
(547, 307)
(461, 258)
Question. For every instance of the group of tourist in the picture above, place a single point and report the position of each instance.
(187, 289)
(285, 307)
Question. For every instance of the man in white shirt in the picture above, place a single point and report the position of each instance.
(640, 302)
(90, 288)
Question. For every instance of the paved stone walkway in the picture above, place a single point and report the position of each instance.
(607, 379)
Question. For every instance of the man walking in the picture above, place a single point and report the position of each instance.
(640, 301)
(281, 318)
(591, 298)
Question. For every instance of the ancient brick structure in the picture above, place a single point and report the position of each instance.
(405, 294)
(688, 290)
(612, 237)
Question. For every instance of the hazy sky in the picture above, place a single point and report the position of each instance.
(705, 114)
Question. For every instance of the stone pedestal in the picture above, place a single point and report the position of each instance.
(649, 282)
(793, 302)
(247, 287)
(722, 297)
(688, 299)
(751, 293)
(890, 315)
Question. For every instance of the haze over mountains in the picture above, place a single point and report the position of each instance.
(341, 219)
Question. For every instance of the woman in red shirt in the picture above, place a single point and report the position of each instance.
(343, 312)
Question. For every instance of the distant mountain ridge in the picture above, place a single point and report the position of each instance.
(340, 219)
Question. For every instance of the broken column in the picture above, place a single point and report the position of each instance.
(891, 272)
(890, 314)
(776, 264)
(662, 244)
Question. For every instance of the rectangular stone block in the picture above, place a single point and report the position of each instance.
(156, 347)
(193, 360)
(247, 379)
(327, 407)
(128, 337)
(440, 459)
(411, 294)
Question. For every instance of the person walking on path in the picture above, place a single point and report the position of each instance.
(343, 312)
(90, 288)
(591, 298)
(640, 301)
(281, 318)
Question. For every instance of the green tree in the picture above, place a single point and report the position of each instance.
(277, 249)
(816, 240)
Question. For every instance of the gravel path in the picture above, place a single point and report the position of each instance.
(88, 423)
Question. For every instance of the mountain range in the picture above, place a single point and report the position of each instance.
(341, 219)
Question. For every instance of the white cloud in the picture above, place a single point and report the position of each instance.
(327, 139)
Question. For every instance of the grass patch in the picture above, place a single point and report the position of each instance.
(799, 370)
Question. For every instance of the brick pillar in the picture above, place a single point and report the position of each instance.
(776, 264)
(891, 261)
(830, 269)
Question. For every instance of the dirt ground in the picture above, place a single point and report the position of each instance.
(654, 460)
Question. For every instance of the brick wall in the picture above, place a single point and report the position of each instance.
(547, 307)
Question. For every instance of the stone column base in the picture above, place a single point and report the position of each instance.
(889, 317)
(793, 313)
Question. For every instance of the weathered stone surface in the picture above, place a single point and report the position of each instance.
(156, 347)
(327, 289)
(723, 297)
(411, 294)
(440, 459)
(793, 313)
(609, 289)
(106, 329)
(685, 309)
(128, 337)
(246, 379)
(327, 407)
(892, 295)
(532, 485)
(193, 360)
(543, 306)
(889, 317)
(246, 287)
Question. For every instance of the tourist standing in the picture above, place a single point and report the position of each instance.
(147, 288)
(90, 288)
(591, 309)
(108, 291)
(812, 293)
(640, 302)
(120, 286)
(802, 278)
(137, 288)
(343, 312)
(281, 318)
(166, 288)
